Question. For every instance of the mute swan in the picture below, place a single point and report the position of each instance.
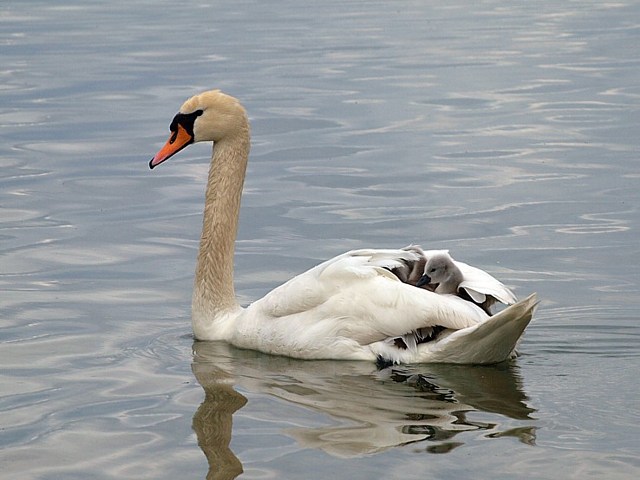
(451, 277)
(348, 307)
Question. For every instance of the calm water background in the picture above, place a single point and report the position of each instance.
(505, 131)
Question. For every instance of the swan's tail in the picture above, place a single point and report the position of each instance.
(492, 341)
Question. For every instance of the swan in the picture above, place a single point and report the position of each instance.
(449, 276)
(348, 307)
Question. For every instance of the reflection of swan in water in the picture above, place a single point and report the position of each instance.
(212, 421)
(374, 410)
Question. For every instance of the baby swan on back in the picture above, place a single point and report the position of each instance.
(349, 307)
(445, 275)
(441, 272)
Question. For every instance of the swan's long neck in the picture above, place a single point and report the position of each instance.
(213, 294)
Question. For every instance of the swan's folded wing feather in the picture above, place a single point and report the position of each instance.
(312, 288)
(479, 292)
(479, 283)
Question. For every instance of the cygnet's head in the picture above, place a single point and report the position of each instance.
(441, 270)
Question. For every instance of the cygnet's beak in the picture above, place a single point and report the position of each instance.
(424, 280)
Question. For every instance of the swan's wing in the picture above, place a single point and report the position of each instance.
(391, 259)
(479, 284)
(355, 296)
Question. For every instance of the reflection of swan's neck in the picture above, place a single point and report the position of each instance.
(213, 292)
(213, 421)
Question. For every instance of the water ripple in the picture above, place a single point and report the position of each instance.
(506, 132)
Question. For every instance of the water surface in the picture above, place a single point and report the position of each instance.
(506, 133)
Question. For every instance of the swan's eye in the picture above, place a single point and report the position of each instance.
(186, 120)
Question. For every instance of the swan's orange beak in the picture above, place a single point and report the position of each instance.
(177, 141)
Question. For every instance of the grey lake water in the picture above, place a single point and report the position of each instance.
(508, 132)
